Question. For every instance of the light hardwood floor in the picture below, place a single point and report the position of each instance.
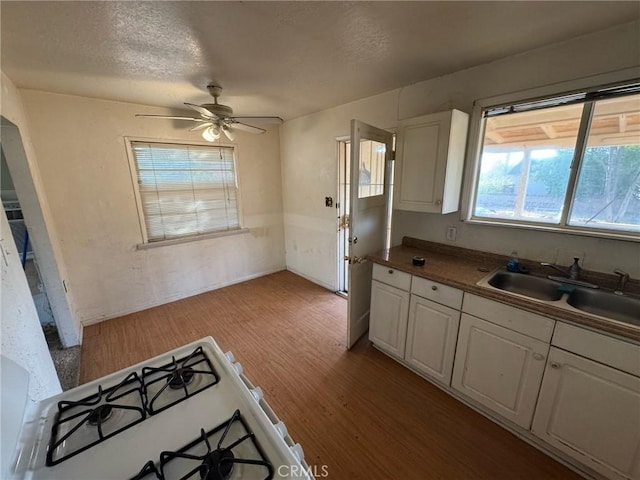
(358, 412)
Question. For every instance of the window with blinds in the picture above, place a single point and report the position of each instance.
(186, 190)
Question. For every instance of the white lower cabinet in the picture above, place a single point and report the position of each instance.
(431, 338)
(587, 407)
(499, 368)
(388, 317)
(591, 412)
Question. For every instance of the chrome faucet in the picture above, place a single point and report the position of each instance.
(572, 272)
(624, 278)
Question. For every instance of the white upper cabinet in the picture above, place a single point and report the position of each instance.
(429, 161)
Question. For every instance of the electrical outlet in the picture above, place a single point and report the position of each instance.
(451, 234)
(565, 256)
(328, 201)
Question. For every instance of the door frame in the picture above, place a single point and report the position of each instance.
(342, 201)
(40, 233)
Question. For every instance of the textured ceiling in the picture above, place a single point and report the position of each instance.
(273, 58)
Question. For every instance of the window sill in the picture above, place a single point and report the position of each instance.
(608, 234)
(191, 238)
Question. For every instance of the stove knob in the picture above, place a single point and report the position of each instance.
(298, 452)
(257, 394)
(238, 368)
(230, 356)
(281, 428)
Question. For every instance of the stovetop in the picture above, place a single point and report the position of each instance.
(189, 413)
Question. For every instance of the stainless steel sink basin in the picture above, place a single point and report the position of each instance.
(622, 308)
(534, 287)
(574, 298)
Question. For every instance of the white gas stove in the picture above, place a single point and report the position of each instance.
(190, 413)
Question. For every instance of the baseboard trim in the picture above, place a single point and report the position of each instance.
(312, 279)
(173, 298)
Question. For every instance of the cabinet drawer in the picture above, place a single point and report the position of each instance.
(392, 276)
(443, 294)
(616, 353)
(530, 324)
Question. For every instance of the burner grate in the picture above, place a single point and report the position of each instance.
(148, 472)
(82, 424)
(176, 381)
(236, 454)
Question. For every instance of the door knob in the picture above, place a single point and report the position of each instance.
(538, 356)
(555, 365)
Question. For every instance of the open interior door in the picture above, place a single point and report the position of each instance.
(370, 177)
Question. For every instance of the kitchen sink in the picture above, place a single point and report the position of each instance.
(623, 308)
(527, 285)
(574, 298)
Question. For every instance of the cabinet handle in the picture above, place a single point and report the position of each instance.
(555, 365)
(434, 287)
(538, 356)
(390, 271)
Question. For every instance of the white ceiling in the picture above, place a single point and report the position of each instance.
(274, 58)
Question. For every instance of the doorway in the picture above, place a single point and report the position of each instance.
(28, 258)
(47, 271)
(342, 207)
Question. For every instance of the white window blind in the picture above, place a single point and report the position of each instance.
(186, 189)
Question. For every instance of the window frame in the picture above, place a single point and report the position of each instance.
(133, 170)
(475, 143)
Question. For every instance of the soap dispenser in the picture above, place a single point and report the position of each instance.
(574, 270)
(513, 265)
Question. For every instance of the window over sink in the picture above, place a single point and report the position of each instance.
(185, 190)
(567, 162)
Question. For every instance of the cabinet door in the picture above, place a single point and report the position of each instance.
(431, 338)
(591, 412)
(499, 368)
(388, 318)
(430, 156)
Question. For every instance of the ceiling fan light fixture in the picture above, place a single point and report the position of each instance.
(214, 119)
(211, 134)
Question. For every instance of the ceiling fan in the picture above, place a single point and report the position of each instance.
(216, 119)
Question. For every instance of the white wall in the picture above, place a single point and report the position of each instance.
(309, 160)
(20, 157)
(21, 336)
(81, 154)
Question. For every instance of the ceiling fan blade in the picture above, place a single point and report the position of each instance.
(246, 128)
(170, 117)
(201, 110)
(273, 120)
(201, 126)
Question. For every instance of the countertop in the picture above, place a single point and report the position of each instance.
(464, 268)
